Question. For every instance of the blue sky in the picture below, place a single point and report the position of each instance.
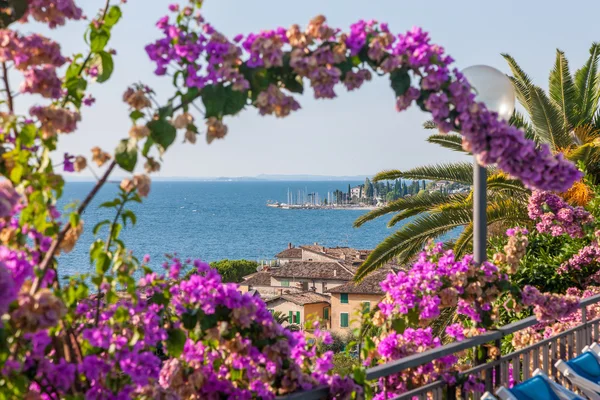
(358, 132)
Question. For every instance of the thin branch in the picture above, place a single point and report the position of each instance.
(106, 249)
(9, 95)
(89, 56)
(45, 264)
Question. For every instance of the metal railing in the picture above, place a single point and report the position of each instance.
(518, 365)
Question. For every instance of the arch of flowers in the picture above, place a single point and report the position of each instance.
(106, 335)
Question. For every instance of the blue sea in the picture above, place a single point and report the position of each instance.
(218, 220)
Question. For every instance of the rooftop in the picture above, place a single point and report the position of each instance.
(315, 269)
(303, 298)
(262, 278)
(369, 285)
(293, 252)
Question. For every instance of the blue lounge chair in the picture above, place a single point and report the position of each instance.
(583, 371)
(539, 387)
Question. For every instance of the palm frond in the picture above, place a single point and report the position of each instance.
(586, 82)
(388, 175)
(520, 80)
(563, 92)
(406, 214)
(461, 172)
(410, 239)
(546, 120)
(518, 120)
(499, 182)
(449, 141)
(429, 124)
(423, 201)
(588, 153)
(464, 242)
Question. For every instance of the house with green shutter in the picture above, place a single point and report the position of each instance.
(350, 299)
(302, 307)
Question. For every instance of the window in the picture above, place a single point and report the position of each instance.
(326, 313)
(344, 320)
(366, 306)
(285, 282)
(344, 298)
(298, 317)
(324, 286)
(290, 318)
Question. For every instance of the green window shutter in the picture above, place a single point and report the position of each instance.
(367, 306)
(298, 317)
(344, 298)
(344, 320)
(326, 313)
(290, 318)
(285, 282)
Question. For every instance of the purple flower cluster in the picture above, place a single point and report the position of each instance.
(8, 199)
(53, 12)
(556, 216)
(42, 81)
(549, 306)
(437, 280)
(584, 257)
(326, 56)
(394, 346)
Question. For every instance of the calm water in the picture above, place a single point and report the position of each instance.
(217, 220)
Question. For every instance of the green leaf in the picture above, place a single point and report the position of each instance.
(294, 84)
(135, 115)
(112, 16)
(102, 263)
(189, 320)
(28, 134)
(110, 204)
(16, 173)
(165, 112)
(147, 145)
(128, 214)
(74, 219)
(400, 81)
(100, 225)
(108, 66)
(175, 342)
(192, 94)
(399, 325)
(126, 154)
(162, 132)
(99, 39)
(219, 101)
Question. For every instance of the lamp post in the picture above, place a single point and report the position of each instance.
(495, 90)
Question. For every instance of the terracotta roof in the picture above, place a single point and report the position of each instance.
(303, 298)
(339, 253)
(258, 279)
(315, 269)
(369, 285)
(294, 252)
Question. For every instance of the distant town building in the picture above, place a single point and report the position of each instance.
(357, 191)
(314, 281)
(302, 307)
(348, 300)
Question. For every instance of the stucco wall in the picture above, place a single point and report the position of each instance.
(353, 307)
(318, 283)
(315, 311)
(285, 307)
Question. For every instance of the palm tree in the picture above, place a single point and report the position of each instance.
(280, 317)
(567, 119)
